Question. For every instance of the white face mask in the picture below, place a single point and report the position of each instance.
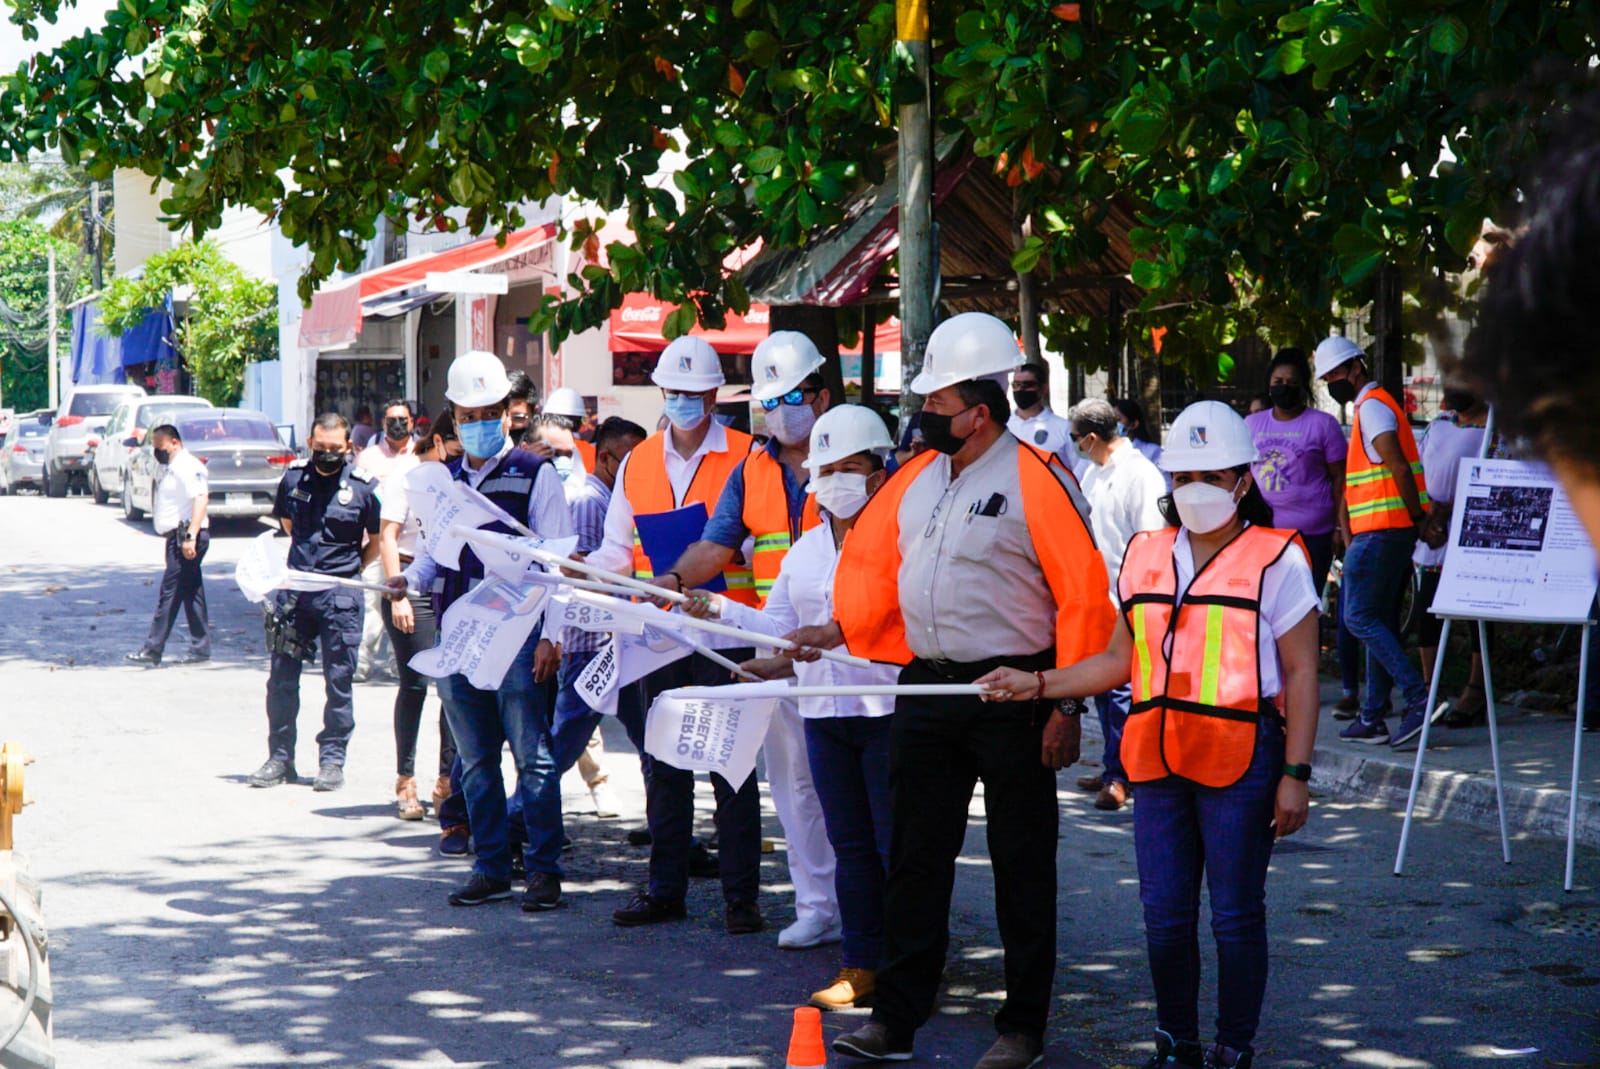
(1203, 507)
(843, 494)
(791, 424)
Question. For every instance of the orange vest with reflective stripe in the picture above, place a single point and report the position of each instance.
(1370, 491)
(586, 451)
(866, 584)
(766, 516)
(1196, 683)
(649, 491)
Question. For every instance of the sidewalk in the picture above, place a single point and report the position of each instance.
(1458, 775)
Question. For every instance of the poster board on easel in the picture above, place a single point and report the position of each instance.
(1517, 554)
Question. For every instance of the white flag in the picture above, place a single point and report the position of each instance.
(440, 502)
(507, 555)
(482, 632)
(626, 658)
(720, 735)
(263, 569)
(588, 611)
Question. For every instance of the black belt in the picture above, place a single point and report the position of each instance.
(967, 671)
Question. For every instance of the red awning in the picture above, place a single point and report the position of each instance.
(636, 328)
(334, 317)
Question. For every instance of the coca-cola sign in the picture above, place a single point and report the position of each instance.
(649, 314)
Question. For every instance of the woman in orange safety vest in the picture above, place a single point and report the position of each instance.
(1218, 639)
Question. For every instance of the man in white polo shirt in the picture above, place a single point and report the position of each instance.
(181, 496)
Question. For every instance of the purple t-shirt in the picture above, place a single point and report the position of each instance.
(1293, 469)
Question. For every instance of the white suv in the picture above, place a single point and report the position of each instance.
(85, 412)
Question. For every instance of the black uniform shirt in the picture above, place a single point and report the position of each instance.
(328, 514)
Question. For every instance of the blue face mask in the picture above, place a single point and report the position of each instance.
(686, 411)
(482, 439)
(1122, 432)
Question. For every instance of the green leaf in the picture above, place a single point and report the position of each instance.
(1291, 57)
(1026, 258)
(1222, 175)
(1148, 274)
(741, 8)
(562, 9)
(680, 321)
(1449, 35)
(763, 160)
(436, 65)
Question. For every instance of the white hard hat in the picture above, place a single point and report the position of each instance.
(781, 362)
(972, 345)
(1208, 436)
(688, 363)
(564, 401)
(476, 379)
(844, 431)
(1333, 352)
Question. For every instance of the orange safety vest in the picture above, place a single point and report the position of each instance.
(866, 584)
(1196, 682)
(1370, 491)
(650, 491)
(766, 517)
(586, 451)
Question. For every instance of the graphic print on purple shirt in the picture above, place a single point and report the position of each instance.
(1293, 469)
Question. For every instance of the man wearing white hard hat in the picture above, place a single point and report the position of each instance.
(684, 465)
(977, 554)
(765, 503)
(845, 739)
(1385, 500)
(555, 428)
(484, 721)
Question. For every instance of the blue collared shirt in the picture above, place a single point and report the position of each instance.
(726, 525)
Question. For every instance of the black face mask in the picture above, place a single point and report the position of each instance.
(327, 462)
(1342, 392)
(163, 456)
(1458, 400)
(1025, 398)
(936, 432)
(398, 430)
(1285, 395)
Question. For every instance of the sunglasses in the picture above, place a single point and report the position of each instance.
(796, 396)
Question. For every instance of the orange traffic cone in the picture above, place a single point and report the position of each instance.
(805, 1041)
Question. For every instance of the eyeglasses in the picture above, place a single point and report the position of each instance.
(796, 396)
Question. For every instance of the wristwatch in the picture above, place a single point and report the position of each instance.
(1299, 772)
(1070, 707)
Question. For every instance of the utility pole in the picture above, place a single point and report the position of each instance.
(919, 272)
(50, 328)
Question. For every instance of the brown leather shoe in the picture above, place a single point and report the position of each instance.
(850, 988)
(1090, 783)
(405, 799)
(1112, 796)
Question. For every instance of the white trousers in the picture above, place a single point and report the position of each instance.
(811, 861)
(375, 652)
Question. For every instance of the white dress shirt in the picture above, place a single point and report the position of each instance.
(1046, 431)
(1124, 495)
(616, 552)
(182, 482)
(803, 595)
(393, 505)
(378, 459)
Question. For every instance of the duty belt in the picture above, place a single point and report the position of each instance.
(967, 671)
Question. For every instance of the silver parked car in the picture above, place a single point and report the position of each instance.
(82, 415)
(22, 452)
(109, 450)
(243, 457)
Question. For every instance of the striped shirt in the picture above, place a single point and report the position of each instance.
(588, 507)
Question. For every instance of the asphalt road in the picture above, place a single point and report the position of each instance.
(197, 922)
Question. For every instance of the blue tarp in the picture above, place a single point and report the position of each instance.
(100, 358)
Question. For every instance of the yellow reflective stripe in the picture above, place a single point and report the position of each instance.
(738, 580)
(1378, 504)
(773, 541)
(1211, 666)
(1141, 652)
(1377, 473)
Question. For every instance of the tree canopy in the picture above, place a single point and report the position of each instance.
(24, 305)
(1276, 151)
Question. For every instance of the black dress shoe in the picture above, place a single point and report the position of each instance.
(273, 772)
(645, 909)
(150, 657)
(639, 837)
(743, 918)
(703, 864)
(544, 892)
(480, 889)
(330, 777)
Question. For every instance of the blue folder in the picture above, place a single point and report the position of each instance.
(665, 535)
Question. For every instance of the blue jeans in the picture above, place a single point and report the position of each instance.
(1377, 569)
(1113, 709)
(849, 758)
(482, 722)
(575, 722)
(1180, 830)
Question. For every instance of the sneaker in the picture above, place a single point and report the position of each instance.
(1013, 1050)
(1170, 1052)
(1347, 707)
(647, 909)
(605, 806)
(330, 777)
(273, 772)
(149, 657)
(544, 892)
(1220, 1057)
(480, 889)
(810, 931)
(519, 864)
(743, 918)
(453, 841)
(1363, 730)
(875, 1043)
(1411, 725)
(851, 988)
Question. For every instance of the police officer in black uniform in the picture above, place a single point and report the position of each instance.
(329, 508)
